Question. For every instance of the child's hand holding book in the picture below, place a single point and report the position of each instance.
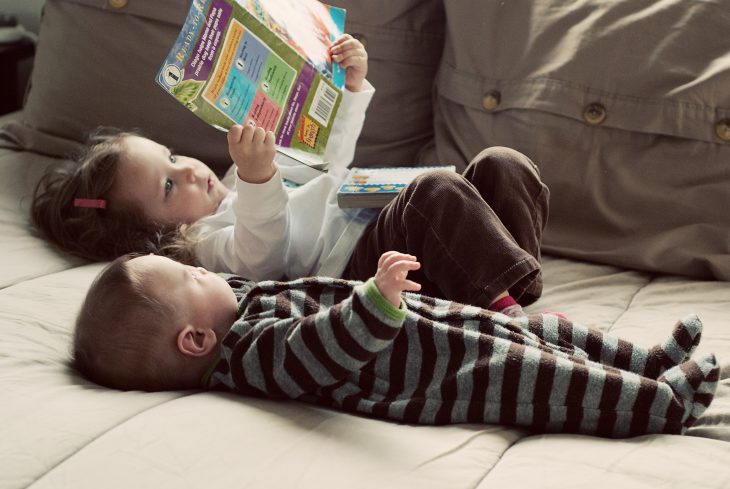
(350, 54)
(252, 150)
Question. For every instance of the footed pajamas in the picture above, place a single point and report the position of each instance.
(340, 344)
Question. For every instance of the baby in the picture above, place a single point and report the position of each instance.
(152, 323)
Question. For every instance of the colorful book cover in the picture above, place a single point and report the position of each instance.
(375, 187)
(312, 37)
(262, 62)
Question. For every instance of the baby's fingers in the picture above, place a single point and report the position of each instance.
(394, 256)
(391, 262)
(385, 256)
(400, 269)
(407, 263)
(411, 286)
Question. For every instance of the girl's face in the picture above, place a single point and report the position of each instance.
(170, 189)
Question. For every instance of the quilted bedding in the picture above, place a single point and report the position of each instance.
(60, 431)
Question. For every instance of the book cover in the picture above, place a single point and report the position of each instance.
(262, 62)
(375, 187)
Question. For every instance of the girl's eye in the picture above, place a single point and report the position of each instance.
(168, 187)
(173, 158)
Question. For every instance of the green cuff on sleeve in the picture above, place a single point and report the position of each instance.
(383, 304)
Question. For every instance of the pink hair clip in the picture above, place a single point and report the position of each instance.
(90, 203)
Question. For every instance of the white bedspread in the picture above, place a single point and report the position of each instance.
(59, 430)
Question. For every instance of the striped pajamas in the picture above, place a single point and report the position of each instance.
(325, 341)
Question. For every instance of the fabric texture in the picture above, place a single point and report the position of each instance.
(66, 432)
(476, 235)
(325, 341)
(625, 107)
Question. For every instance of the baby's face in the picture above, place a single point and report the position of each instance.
(171, 189)
(199, 297)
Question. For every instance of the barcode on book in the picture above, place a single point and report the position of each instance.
(322, 103)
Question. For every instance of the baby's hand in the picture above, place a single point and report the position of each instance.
(252, 150)
(391, 276)
(351, 55)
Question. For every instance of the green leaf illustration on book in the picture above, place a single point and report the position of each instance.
(187, 90)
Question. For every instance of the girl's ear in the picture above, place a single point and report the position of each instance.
(196, 342)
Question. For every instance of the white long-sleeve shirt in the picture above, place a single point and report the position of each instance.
(268, 231)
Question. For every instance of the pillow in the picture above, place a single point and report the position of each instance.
(96, 63)
(624, 106)
(404, 40)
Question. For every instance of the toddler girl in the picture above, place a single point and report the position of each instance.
(478, 234)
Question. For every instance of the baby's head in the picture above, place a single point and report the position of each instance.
(124, 194)
(151, 323)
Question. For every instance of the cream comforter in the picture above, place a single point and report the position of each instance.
(59, 430)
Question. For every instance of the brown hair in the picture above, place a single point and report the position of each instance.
(100, 234)
(120, 333)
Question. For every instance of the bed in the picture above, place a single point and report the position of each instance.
(60, 430)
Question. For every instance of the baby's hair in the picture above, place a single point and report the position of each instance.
(94, 233)
(119, 333)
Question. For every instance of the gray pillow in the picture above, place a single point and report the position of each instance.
(96, 63)
(625, 107)
(404, 40)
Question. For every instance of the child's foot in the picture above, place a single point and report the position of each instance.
(675, 350)
(695, 383)
(705, 393)
(513, 311)
(509, 307)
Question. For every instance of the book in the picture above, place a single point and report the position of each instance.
(260, 62)
(375, 187)
(297, 169)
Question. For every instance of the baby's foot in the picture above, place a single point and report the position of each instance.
(675, 350)
(695, 383)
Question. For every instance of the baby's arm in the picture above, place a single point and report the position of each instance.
(295, 337)
(252, 150)
(391, 277)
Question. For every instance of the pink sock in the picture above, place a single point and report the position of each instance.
(508, 306)
(500, 304)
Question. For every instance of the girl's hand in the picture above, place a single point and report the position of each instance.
(391, 277)
(252, 150)
(351, 55)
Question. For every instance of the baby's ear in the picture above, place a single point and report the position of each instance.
(196, 342)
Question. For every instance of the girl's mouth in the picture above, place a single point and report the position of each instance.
(210, 184)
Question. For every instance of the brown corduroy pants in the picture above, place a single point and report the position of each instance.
(476, 235)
